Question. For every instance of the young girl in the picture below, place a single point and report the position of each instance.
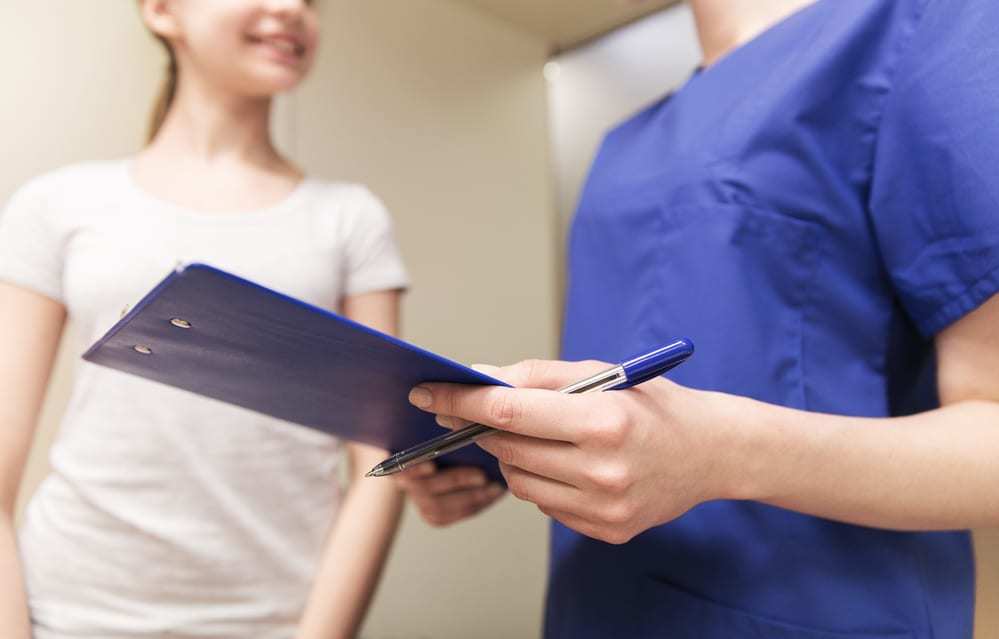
(167, 514)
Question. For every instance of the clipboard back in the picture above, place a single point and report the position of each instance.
(215, 334)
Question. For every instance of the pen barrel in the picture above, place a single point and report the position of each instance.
(596, 383)
(463, 437)
(438, 446)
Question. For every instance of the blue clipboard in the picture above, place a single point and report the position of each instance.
(215, 334)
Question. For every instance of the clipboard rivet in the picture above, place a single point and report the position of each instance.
(142, 348)
(180, 323)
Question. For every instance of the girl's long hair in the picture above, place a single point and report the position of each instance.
(166, 95)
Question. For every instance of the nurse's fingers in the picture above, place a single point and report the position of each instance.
(546, 493)
(452, 422)
(542, 373)
(536, 413)
(544, 457)
(532, 373)
(599, 531)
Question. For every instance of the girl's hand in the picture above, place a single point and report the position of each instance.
(609, 465)
(444, 497)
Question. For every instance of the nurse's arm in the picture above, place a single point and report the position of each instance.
(612, 465)
(934, 470)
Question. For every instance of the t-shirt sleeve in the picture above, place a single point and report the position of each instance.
(31, 247)
(372, 258)
(935, 191)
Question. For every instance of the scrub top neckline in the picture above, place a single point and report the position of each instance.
(701, 71)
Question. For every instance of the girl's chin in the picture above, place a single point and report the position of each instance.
(272, 84)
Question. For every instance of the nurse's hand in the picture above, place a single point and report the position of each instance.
(609, 465)
(444, 497)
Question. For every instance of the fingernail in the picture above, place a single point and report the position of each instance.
(479, 480)
(494, 490)
(420, 397)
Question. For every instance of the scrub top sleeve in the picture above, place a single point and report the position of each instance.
(934, 199)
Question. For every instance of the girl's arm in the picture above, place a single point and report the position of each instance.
(359, 542)
(32, 328)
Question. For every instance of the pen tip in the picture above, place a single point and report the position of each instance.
(370, 473)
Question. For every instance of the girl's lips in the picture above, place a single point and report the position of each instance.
(285, 48)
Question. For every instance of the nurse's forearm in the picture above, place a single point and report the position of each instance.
(933, 471)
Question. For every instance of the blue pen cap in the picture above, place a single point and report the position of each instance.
(645, 367)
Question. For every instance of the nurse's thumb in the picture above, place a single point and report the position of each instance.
(543, 373)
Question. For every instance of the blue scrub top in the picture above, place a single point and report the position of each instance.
(811, 210)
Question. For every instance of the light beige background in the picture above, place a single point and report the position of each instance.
(441, 109)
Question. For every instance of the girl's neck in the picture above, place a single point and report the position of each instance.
(209, 126)
(214, 153)
(724, 25)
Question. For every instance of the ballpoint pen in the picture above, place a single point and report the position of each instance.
(630, 373)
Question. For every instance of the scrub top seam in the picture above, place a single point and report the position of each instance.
(901, 55)
(903, 52)
(973, 296)
(815, 255)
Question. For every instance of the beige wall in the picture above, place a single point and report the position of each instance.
(987, 596)
(441, 110)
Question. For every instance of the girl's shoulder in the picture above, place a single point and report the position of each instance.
(349, 216)
(74, 183)
(349, 202)
(83, 174)
(347, 194)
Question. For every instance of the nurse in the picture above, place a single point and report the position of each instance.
(818, 209)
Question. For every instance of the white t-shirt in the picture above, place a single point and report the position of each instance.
(167, 514)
